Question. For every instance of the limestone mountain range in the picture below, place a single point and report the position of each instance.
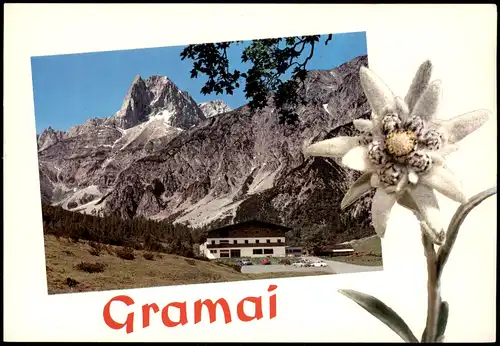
(164, 156)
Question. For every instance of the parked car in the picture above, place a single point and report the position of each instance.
(244, 263)
(319, 264)
(302, 264)
(265, 261)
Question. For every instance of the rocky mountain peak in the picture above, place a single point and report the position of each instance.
(134, 108)
(176, 107)
(157, 79)
(49, 137)
(157, 97)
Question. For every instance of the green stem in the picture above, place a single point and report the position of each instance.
(436, 262)
(454, 227)
(433, 287)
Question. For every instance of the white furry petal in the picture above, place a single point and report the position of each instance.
(448, 149)
(445, 182)
(357, 159)
(363, 125)
(402, 109)
(359, 188)
(334, 147)
(382, 204)
(427, 204)
(378, 94)
(419, 84)
(437, 158)
(427, 105)
(407, 201)
(461, 126)
(402, 183)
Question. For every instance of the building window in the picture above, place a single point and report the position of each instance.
(235, 242)
(224, 253)
(213, 251)
(246, 241)
(279, 240)
(257, 251)
(224, 241)
(268, 251)
(256, 241)
(268, 241)
(213, 242)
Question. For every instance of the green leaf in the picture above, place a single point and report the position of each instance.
(381, 311)
(441, 323)
(424, 334)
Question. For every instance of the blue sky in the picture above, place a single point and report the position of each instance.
(69, 89)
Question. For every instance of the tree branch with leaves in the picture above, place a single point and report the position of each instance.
(270, 61)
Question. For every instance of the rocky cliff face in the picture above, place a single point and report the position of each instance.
(93, 153)
(49, 137)
(213, 108)
(223, 169)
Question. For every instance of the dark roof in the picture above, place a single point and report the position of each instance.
(262, 224)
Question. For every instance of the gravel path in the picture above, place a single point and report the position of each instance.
(343, 268)
(273, 268)
(333, 267)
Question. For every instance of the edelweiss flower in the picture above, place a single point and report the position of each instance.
(401, 150)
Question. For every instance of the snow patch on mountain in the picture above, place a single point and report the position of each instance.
(141, 134)
(262, 181)
(166, 115)
(325, 107)
(213, 108)
(81, 197)
(208, 210)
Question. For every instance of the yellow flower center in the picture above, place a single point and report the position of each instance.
(400, 143)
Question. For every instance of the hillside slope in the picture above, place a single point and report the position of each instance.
(63, 255)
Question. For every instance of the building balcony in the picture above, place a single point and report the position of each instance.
(239, 245)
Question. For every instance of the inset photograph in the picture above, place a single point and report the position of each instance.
(184, 164)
